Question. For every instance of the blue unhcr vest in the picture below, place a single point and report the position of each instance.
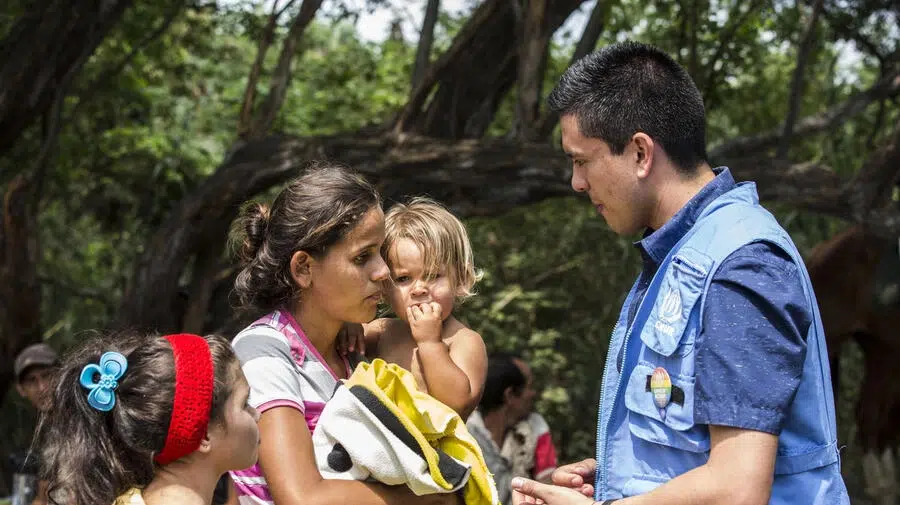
(639, 445)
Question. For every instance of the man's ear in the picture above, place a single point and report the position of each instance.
(20, 390)
(643, 146)
(508, 394)
(301, 271)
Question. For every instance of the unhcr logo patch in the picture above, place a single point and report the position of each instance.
(669, 312)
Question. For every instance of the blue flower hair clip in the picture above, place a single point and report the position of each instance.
(102, 394)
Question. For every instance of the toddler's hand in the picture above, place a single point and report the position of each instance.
(352, 337)
(425, 321)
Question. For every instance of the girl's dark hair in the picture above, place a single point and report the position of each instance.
(311, 214)
(502, 373)
(91, 457)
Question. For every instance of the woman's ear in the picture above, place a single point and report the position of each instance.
(301, 270)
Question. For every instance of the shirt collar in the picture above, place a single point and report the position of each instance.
(656, 244)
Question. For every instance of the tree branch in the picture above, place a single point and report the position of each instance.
(418, 94)
(40, 48)
(426, 40)
(281, 78)
(586, 44)
(77, 290)
(736, 19)
(797, 84)
(534, 42)
(262, 47)
(510, 173)
(886, 87)
(88, 91)
(694, 58)
(876, 179)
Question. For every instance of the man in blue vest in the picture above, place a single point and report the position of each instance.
(716, 388)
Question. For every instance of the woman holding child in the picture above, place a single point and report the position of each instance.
(312, 264)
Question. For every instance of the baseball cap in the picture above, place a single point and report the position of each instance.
(36, 354)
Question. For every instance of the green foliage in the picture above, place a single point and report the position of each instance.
(555, 277)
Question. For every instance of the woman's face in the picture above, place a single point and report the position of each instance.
(345, 284)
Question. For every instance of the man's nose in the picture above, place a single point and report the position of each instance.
(579, 183)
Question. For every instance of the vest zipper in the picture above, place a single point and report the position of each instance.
(603, 427)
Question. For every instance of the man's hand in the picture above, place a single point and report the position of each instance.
(527, 491)
(425, 322)
(578, 476)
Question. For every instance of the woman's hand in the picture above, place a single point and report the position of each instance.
(352, 337)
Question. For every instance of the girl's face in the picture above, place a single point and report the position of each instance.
(412, 283)
(345, 284)
(236, 440)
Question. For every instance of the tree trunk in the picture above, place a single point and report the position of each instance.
(464, 103)
(48, 42)
(20, 289)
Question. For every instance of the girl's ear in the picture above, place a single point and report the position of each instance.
(301, 271)
(205, 444)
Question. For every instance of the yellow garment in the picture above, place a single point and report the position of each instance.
(433, 425)
(130, 497)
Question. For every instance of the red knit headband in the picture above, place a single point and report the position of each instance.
(193, 396)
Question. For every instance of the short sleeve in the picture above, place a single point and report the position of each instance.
(273, 375)
(751, 351)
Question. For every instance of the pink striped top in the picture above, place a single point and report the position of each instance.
(283, 369)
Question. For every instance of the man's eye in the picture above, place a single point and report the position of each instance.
(361, 259)
(403, 278)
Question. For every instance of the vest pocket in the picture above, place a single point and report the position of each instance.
(672, 426)
(679, 292)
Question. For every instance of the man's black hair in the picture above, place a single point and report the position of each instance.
(630, 87)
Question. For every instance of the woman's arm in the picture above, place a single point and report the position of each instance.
(289, 466)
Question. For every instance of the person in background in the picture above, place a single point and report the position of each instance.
(33, 369)
(515, 439)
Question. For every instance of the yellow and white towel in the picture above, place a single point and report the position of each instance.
(378, 425)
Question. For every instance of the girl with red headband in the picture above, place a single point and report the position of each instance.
(147, 420)
(311, 263)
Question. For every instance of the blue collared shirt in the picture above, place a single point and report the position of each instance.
(751, 351)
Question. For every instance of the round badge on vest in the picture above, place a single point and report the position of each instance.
(661, 387)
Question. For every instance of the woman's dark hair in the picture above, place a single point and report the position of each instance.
(630, 87)
(91, 457)
(502, 373)
(311, 214)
